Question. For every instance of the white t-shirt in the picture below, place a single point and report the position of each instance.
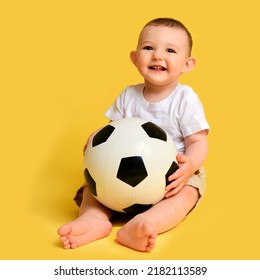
(180, 114)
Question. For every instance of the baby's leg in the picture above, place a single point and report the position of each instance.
(92, 224)
(140, 232)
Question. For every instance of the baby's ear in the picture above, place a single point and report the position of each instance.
(133, 57)
(189, 65)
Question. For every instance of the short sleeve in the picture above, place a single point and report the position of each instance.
(192, 117)
(116, 110)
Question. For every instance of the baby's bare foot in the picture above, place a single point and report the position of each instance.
(138, 234)
(83, 230)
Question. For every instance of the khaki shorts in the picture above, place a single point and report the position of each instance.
(197, 180)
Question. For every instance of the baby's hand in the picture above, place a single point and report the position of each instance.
(88, 141)
(181, 176)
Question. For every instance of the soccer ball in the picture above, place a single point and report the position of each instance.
(127, 164)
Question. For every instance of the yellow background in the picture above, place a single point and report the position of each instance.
(64, 62)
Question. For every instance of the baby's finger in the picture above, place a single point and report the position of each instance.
(175, 175)
(173, 191)
(174, 184)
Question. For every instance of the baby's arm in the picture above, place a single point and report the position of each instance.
(196, 151)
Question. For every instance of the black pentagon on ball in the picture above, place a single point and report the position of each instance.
(174, 166)
(154, 131)
(132, 170)
(137, 208)
(102, 135)
(90, 182)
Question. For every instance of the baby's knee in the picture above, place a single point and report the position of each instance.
(191, 193)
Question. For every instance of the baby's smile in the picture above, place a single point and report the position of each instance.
(157, 67)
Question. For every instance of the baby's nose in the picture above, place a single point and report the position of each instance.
(157, 55)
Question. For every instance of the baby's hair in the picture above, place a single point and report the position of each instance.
(170, 22)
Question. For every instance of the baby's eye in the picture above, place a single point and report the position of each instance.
(170, 51)
(148, 48)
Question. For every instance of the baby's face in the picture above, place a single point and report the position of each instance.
(162, 54)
